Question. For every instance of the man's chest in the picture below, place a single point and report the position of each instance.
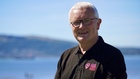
(83, 68)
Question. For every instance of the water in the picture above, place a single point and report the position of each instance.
(28, 69)
(133, 66)
(45, 68)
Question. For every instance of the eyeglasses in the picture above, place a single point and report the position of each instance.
(85, 22)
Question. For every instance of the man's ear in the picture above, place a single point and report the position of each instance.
(98, 23)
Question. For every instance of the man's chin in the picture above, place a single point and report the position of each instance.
(81, 39)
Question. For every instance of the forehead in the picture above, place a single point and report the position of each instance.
(81, 13)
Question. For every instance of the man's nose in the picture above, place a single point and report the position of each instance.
(81, 24)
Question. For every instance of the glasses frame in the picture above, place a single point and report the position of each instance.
(82, 21)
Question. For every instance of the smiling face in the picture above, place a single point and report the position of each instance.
(84, 33)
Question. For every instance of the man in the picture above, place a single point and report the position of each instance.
(92, 58)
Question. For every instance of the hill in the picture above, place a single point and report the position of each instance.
(12, 46)
(30, 47)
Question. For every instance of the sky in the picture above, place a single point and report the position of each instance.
(49, 18)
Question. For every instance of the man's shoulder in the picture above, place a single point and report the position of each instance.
(112, 50)
(110, 47)
(70, 51)
(106, 46)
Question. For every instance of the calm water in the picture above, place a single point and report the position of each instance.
(45, 68)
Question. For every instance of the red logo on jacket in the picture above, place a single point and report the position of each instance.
(87, 65)
(92, 67)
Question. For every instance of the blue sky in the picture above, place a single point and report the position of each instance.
(49, 18)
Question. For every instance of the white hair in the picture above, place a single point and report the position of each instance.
(85, 4)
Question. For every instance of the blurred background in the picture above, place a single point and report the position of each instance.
(34, 33)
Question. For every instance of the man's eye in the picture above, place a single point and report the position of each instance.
(86, 21)
(76, 22)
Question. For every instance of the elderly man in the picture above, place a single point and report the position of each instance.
(92, 58)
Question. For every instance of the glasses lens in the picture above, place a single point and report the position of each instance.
(76, 23)
(87, 21)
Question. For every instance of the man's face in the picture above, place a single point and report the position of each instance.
(84, 33)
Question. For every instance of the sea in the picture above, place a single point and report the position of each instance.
(45, 68)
